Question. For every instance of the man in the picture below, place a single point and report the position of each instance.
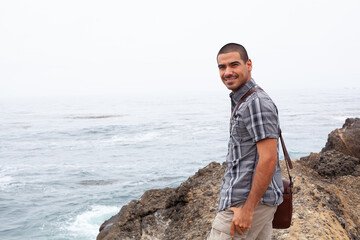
(252, 186)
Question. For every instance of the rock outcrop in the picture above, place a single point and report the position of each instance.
(185, 212)
(346, 139)
(326, 199)
(332, 164)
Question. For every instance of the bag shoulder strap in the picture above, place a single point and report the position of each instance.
(287, 159)
(286, 154)
(243, 99)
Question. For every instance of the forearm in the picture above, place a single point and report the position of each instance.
(261, 181)
(264, 172)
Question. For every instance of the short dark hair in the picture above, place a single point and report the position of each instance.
(234, 47)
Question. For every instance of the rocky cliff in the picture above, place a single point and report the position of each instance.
(326, 199)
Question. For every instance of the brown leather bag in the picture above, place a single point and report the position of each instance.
(283, 214)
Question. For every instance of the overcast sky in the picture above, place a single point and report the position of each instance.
(114, 47)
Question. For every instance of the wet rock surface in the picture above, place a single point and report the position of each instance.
(326, 201)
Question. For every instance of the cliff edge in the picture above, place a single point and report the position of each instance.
(326, 199)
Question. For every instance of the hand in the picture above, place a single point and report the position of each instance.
(241, 221)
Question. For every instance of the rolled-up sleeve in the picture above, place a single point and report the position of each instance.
(261, 119)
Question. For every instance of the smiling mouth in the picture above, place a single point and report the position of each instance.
(230, 78)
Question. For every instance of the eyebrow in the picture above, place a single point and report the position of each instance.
(221, 65)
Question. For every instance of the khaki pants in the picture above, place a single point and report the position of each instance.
(261, 226)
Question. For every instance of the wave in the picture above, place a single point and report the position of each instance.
(5, 180)
(136, 138)
(5, 176)
(86, 225)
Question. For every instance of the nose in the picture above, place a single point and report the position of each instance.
(228, 72)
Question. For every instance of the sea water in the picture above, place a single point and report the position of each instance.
(69, 163)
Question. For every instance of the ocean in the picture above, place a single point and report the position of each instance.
(69, 163)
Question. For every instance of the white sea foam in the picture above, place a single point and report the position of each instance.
(137, 138)
(146, 136)
(5, 180)
(86, 225)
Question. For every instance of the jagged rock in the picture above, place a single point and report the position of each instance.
(182, 213)
(326, 202)
(323, 208)
(346, 139)
(332, 163)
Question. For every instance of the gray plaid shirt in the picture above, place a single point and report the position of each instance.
(255, 119)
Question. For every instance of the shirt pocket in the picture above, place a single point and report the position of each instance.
(239, 133)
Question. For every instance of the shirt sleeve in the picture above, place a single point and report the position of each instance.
(261, 119)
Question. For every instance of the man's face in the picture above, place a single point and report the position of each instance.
(234, 73)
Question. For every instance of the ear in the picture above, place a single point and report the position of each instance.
(249, 65)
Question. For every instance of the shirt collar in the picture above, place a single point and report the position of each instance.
(235, 97)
